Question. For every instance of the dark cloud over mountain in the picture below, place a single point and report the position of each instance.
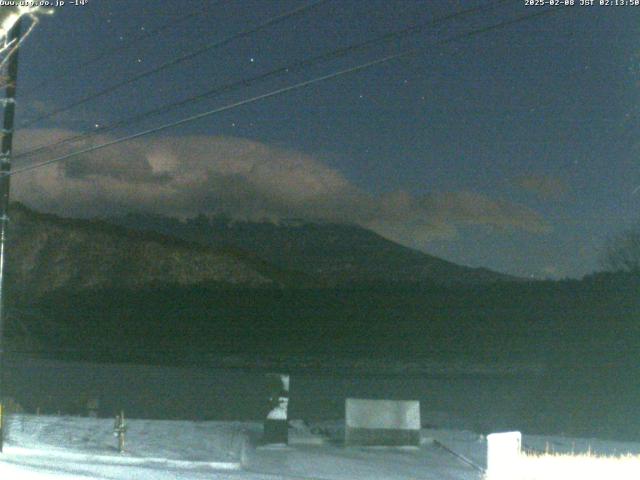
(185, 176)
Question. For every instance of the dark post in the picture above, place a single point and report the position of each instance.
(5, 169)
(119, 430)
(276, 426)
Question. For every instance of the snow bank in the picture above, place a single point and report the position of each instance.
(155, 441)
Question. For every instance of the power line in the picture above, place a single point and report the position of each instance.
(280, 91)
(148, 33)
(341, 52)
(176, 61)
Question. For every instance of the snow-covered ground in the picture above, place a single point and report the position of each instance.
(51, 447)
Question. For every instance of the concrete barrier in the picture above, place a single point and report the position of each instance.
(503, 453)
(382, 422)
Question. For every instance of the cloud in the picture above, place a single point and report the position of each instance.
(416, 221)
(553, 271)
(184, 176)
(478, 209)
(546, 187)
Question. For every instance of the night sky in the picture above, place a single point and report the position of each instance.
(515, 150)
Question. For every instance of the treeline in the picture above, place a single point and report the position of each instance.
(595, 319)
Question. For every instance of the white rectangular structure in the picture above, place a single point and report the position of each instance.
(503, 454)
(382, 422)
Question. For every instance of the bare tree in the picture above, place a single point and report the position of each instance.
(622, 252)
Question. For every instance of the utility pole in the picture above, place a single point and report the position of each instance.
(5, 180)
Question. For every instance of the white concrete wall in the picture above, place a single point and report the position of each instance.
(383, 414)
